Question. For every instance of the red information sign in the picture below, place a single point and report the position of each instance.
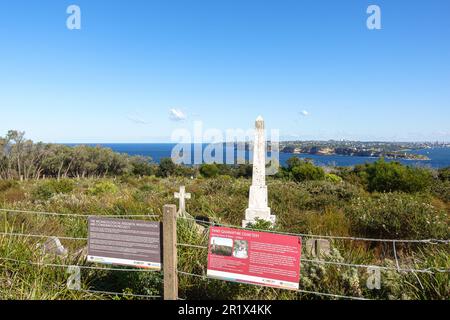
(255, 257)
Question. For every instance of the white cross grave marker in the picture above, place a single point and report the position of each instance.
(182, 195)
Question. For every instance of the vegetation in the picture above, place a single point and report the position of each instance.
(381, 200)
(209, 170)
(444, 174)
(301, 170)
(22, 159)
(393, 176)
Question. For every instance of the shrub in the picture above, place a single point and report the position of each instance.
(326, 193)
(293, 162)
(166, 167)
(14, 194)
(244, 170)
(7, 184)
(46, 190)
(62, 186)
(185, 171)
(209, 170)
(307, 171)
(333, 178)
(260, 224)
(397, 215)
(441, 189)
(393, 176)
(103, 187)
(141, 166)
(444, 174)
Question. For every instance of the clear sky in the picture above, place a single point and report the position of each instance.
(137, 70)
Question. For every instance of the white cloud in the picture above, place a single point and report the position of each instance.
(137, 119)
(177, 114)
(304, 113)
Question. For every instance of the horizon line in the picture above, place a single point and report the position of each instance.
(281, 141)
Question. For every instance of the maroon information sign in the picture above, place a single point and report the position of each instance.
(125, 242)
(263, 258)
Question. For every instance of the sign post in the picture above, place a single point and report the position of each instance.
(170, 252)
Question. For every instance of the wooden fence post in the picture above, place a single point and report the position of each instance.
(170, 252)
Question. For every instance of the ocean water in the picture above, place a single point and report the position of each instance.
(439, 157)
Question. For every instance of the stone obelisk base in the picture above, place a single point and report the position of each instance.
(251, 215)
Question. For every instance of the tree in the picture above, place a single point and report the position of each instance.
(166, 167)
(141, 166)
(17, 138)
(22, 159)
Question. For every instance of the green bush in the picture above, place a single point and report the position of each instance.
(166, 167)
(42, 192)
(333, 178)
(326, 193)
(441, 189)
(209, 170)
(62, 186)
(305, 171)
(244, 170)
(185, 171)
(397, 215)
(47, 189)
(260, 224)
(444, 174)
(103, 187)
(141, 166)
(294, 162)
(393, 176)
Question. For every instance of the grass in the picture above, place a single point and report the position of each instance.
(324, 207)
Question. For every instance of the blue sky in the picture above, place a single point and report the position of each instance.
(224, 62)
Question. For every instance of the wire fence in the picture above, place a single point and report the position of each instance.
(398, 268)
(66, 266)
(365, 266)
(77, 214)
(306, 235)
(123, 294)
(204, 277)
(58, 265)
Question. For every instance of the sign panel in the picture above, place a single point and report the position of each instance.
(125, 242)
(263, 258)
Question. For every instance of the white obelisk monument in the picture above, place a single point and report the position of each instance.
(257, 203)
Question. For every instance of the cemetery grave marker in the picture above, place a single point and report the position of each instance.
(257, 200)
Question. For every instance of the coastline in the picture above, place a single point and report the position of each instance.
(413, 158)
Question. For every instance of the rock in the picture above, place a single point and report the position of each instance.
(323, 247)
(310, 247)
(53, 247)
(318, 247)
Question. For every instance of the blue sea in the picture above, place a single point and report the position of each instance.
(439, 157)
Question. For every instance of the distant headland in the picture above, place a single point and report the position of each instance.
(375, 149)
